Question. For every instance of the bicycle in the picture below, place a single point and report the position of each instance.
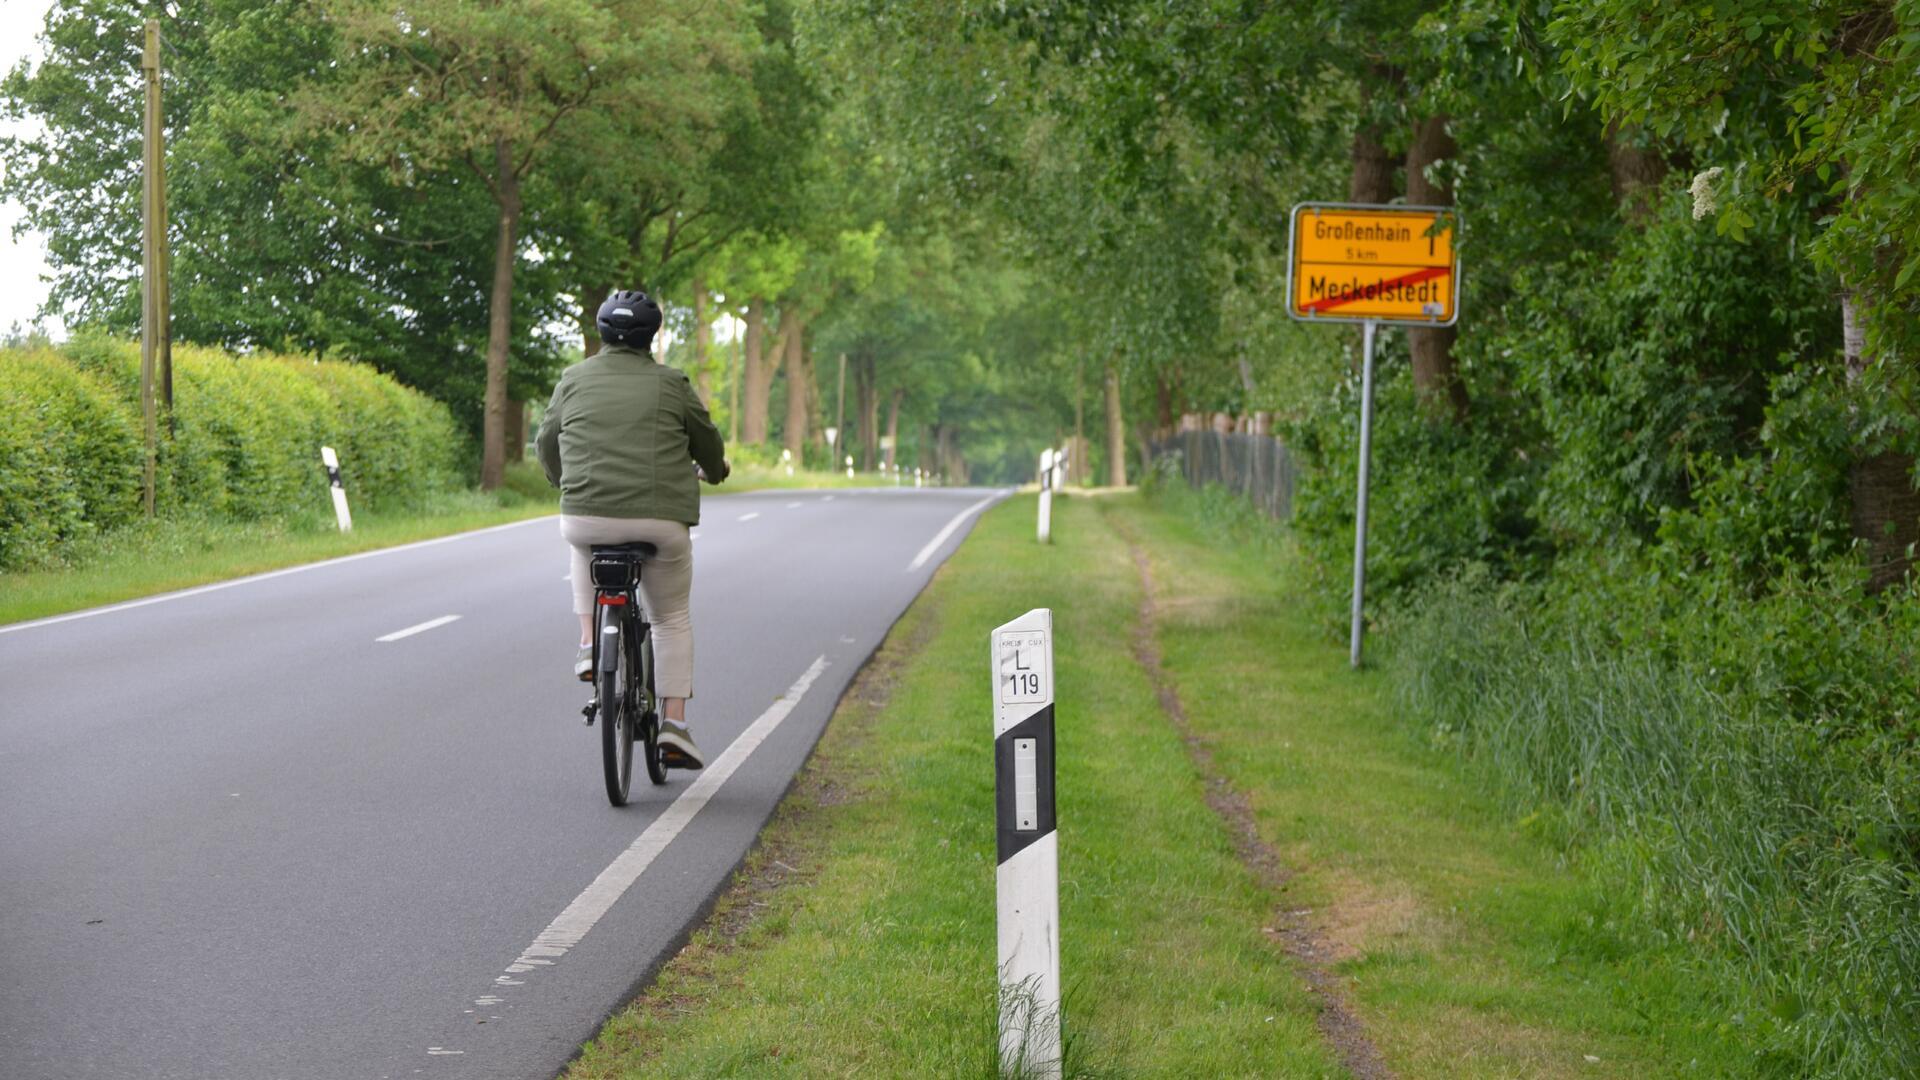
(624, 700)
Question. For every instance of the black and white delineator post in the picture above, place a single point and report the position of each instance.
(332, 461)
(1047, 496)
(1028, 878)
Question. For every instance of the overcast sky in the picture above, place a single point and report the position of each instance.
(24, 264)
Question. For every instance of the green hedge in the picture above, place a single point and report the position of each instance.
(245, 442)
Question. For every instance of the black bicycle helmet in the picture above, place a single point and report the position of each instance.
(629, 317)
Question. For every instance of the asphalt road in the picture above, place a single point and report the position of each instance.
(241, 836)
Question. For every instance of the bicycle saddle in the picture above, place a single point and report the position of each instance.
(638, 550)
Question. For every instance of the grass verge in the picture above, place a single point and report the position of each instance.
(876, 955)
(1471, 943)
(858, 938)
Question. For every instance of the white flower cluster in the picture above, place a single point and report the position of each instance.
(1703, 197)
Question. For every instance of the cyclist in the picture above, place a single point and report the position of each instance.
(616, 440)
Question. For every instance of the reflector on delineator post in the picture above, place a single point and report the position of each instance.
(1028, 877)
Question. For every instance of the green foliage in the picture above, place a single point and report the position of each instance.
(1441, 495)
(1656, 363)
(70, 458)
(244, 444)
(1750, 768)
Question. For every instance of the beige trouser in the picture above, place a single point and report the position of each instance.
(665, 584)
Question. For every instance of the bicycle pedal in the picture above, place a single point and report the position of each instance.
(592, 708)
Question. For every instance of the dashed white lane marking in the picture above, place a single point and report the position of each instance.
(269, 575)
(795, 505)
(940, 537)
(750, 517)
(421, 628)
(566, 930)
(827, 498)
(693, 536)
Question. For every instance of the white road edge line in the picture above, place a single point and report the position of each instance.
(573, 924)
(419, 628)
(251, 578)
(749, 517)
(940, 537)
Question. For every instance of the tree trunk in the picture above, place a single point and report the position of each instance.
(757, 374)
(893, 428)
(1372, 180)
(953, 465)
(793, 333)
(1116, 432)
(493, 422)
(702, 345)
(1635, 168)
(1079, 468)
(868, 396)
(1436, 378)
(1886, 508)
(590, 299)
(516, 430)
(735, 373)
(1163, 416)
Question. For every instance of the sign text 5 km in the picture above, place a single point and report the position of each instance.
(1383, 264)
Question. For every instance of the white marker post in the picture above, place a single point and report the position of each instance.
(332, 461)
(1046, 496)
(1028, 878)
(849, 466)
(787, 457)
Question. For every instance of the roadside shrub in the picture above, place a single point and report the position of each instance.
(1441, 495)
(70, 456)
(244, 440)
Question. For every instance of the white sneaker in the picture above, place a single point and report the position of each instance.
(583, 664)
(676, 746)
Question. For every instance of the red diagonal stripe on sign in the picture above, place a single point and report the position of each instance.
(1358, 295)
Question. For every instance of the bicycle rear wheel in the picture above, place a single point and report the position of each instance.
(616, 706)
(650, 716)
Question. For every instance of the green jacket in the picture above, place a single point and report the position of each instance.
(620, 437)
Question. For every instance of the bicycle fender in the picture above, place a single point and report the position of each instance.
(610, 648)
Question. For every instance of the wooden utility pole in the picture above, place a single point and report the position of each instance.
(156, 344)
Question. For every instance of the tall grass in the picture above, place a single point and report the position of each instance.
(1719, 818)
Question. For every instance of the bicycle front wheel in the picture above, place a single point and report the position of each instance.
(616, 708)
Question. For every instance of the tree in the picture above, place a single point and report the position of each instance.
(279, 241)
(1832, 123)
(494, 91)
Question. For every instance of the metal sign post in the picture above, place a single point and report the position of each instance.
(1375, 265)
(1360, 503)
(1028, 878)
